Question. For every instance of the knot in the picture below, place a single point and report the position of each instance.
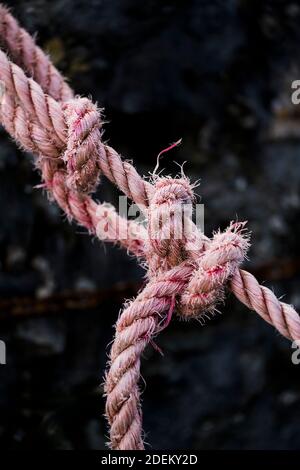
(181, 259)
(172, 190)
(83, 135)
(169, 217)
(215, 267)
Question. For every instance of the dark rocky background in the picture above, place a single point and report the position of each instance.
(218, 74)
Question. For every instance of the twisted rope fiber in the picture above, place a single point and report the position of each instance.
(185, 269)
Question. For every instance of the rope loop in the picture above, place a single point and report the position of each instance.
(83, 135)
(216, 266)
(169, 217)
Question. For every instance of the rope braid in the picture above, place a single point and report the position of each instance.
(186, 270)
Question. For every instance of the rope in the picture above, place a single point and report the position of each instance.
(186, 270)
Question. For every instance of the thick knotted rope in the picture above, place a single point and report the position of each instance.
(186, 270)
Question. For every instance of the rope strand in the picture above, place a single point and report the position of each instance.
(21, 47)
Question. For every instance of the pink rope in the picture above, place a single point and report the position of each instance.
(186, 270)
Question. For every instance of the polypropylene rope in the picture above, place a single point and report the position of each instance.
(186, 270)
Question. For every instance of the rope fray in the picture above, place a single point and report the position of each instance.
(187, 272)
(164, 151)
